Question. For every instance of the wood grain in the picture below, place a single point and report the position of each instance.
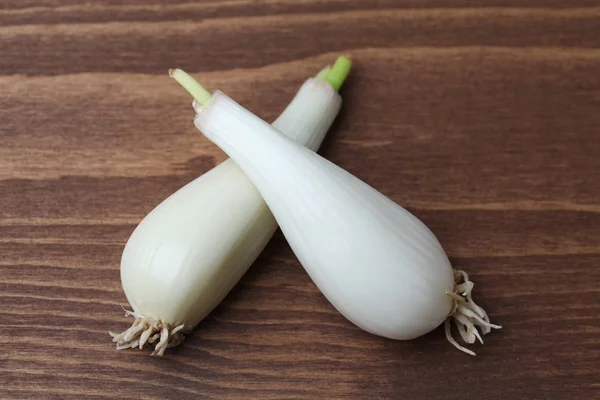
(480, 117)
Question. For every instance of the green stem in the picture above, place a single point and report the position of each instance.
(322, 75)
(334, 75)
(338, 73)
(201, 95)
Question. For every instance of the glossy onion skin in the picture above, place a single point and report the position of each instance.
(379, 265)
(189, 252)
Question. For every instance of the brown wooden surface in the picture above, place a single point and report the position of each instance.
(482, 117)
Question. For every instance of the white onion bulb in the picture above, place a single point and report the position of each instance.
(380, 266)
(189, 252)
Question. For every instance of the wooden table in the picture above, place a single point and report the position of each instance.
(481, 117)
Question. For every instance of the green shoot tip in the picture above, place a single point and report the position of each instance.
(338, 73)
(200, 94)
(323, 73)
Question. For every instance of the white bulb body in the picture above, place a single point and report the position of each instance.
(379, 265)
(189, 252)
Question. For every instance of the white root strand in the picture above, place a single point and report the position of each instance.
(451, 339)
(146, 330)
(466, 315)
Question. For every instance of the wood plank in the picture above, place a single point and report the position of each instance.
(36, 12)
(247, 42)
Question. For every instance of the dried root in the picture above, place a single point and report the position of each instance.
(467, 315)
(149, 331)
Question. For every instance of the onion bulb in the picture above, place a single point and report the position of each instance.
(379, 265)
(189, 252)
